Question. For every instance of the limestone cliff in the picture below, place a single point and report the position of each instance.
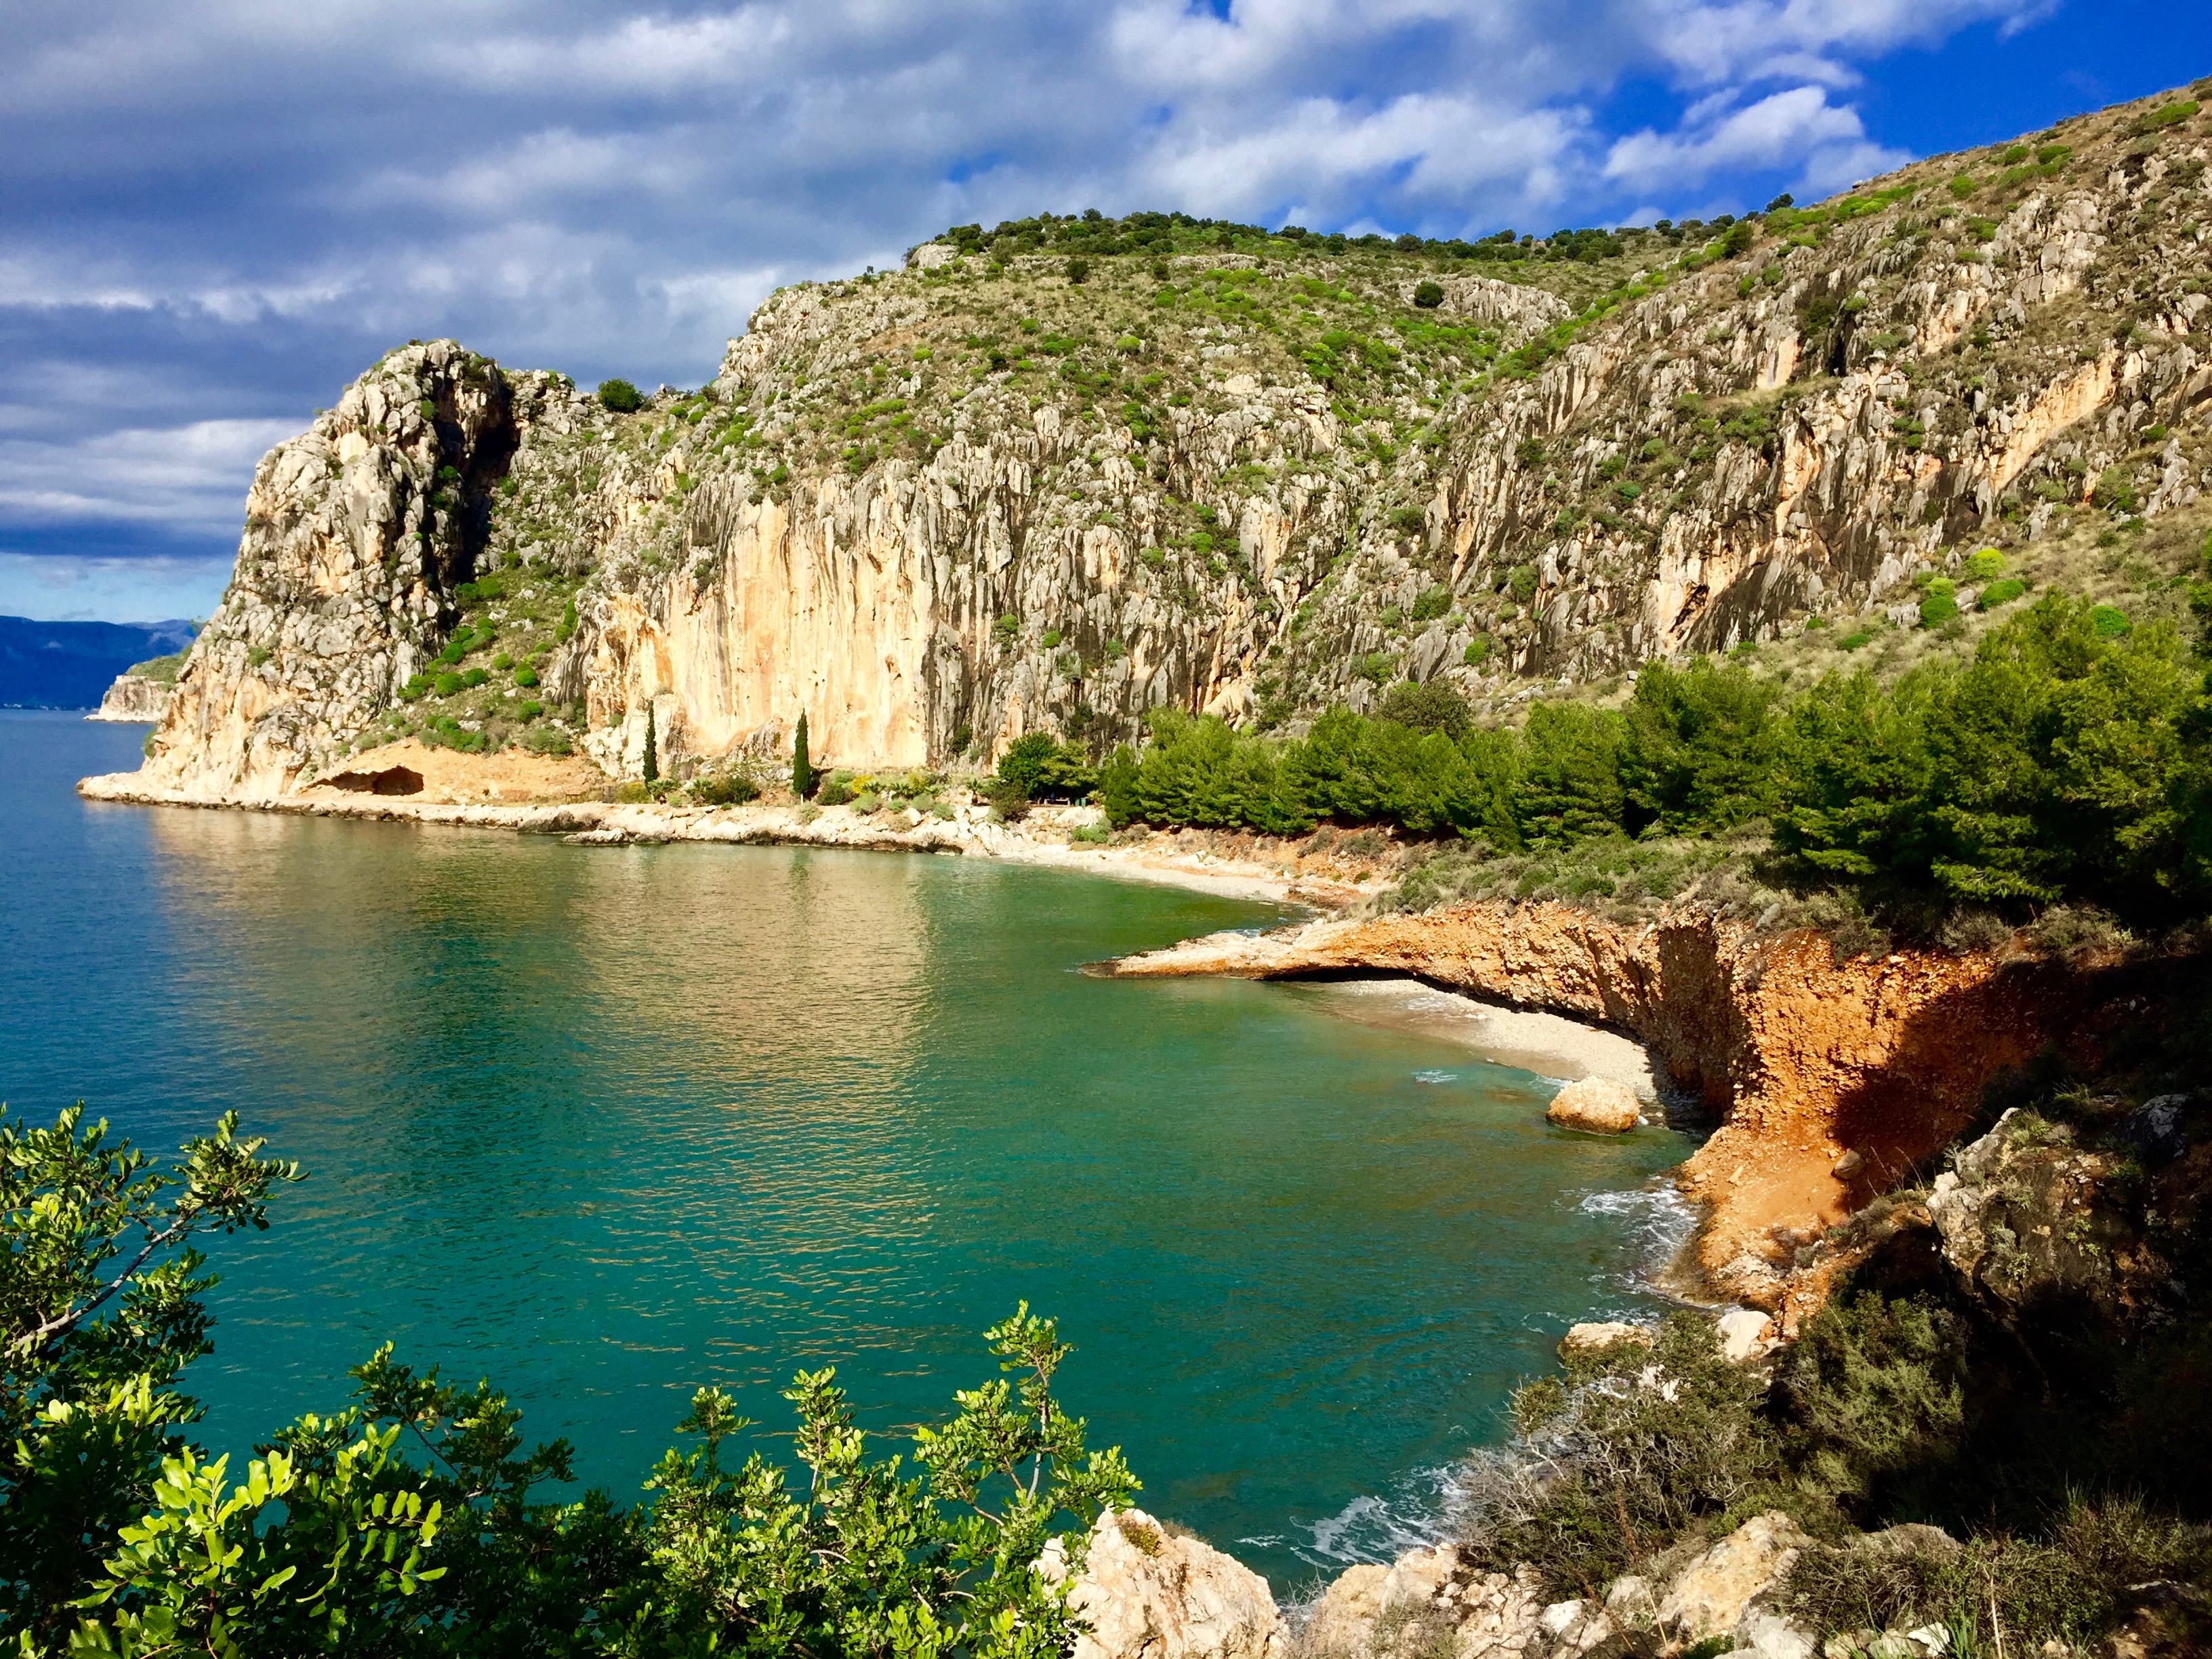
(994, 492)
(135, 699)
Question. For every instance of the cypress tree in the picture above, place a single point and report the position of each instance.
(802, 768)
(652, 755)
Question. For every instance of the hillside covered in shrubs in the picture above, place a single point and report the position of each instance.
(2064, 760)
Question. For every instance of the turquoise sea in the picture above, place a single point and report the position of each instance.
(603, 1124)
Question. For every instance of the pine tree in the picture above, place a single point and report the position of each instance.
(802, 768)
(652, 753)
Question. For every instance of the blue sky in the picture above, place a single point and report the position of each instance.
(217, 212)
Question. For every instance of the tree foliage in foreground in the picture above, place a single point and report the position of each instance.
(2062, 761)
(413, 1521)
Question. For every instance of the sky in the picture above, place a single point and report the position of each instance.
(215, 213)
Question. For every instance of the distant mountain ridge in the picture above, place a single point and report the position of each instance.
(69, 664)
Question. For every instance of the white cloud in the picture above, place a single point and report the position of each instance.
(191, 476)
(1794, 130)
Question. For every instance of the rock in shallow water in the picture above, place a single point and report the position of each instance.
(1596, 1105)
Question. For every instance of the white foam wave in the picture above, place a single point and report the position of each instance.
(1658, 1220)
(1423, 1509)
(1436, 1076)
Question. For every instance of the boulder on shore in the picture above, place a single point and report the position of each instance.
(1148, 1593)
(1596, 1105)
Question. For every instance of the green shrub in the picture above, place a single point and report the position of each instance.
(502, 661)
(2116, 490)
(2070, 1590)
(1039, 766)
(1982, 566)
(447, 684)
(2110, 622)
(621, 396)
(1521, 584)
(1964, 185)
(1428, 295)
(548, 740)
(526, 677)
(1432, 708)
(2002, 592)
(1077, 270)
(1630, 1449)
(528, 711)
(1477, 652)
(724, 789)
(2170, 115)
(1434, 602)
(474, 678)
(836, 789)
(1938, 609)
(256, 655)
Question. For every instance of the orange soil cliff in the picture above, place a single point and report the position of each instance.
(1807, 1061)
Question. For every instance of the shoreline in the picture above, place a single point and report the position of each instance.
(1044, 840)
(1552, 1047)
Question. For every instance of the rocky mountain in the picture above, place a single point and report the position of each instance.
(1054, 475)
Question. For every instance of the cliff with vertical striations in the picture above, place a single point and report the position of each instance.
(1247, 474)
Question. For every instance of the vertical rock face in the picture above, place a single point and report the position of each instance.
(945, 507)
(357, 533)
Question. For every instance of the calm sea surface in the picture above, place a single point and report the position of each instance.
(605, 1124)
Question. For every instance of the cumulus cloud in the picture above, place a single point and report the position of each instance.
(217, 210)
(1828, 145)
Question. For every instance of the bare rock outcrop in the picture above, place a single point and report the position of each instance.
(358, 533)
(1715, 1593)
(137, 699)
(1429, 1598)
(1148, 1591)
(2067, 1244)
